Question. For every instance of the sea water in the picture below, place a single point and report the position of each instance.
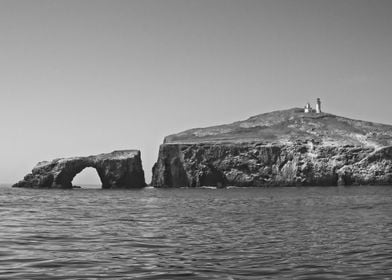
(237, 233)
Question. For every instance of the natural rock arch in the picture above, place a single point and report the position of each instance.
(119, 169)
(67, 175)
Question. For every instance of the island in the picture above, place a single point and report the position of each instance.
(294, 147)
(118, 169)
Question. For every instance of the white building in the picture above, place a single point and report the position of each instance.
(308, 107)
(318, 106)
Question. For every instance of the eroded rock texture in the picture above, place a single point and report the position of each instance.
(284, 148)
(119, 169)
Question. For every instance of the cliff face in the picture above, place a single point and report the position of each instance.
(284, 148)
(119, 169)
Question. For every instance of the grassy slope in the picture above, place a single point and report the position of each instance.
(292, 125)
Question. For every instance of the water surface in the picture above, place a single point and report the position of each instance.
(252, 233)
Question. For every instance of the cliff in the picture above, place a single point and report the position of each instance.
(281, 148)
(119, 169)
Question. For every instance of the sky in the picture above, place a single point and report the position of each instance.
(85, 77)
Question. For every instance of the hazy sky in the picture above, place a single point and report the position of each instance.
(86, 77)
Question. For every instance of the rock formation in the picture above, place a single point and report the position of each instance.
(119, 169)
(282, 148)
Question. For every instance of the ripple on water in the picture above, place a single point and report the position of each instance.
(273, 233)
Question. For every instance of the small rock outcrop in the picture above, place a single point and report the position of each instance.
(282, 148)
(119, 169)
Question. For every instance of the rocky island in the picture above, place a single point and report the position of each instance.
(119, 169)
(295, 147)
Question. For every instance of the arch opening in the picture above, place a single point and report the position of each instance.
(88, 178)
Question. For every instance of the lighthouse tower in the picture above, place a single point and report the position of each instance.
(318, 106)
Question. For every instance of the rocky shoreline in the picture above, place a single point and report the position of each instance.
(258, 165)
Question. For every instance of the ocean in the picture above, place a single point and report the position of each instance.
(235, 233)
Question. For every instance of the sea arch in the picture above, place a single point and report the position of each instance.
(119, 169)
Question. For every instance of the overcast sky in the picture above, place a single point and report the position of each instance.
(86, 77)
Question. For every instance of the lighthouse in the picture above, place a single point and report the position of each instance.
(318, 106)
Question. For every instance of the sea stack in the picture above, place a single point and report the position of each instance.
(294, 147)
(119, 169)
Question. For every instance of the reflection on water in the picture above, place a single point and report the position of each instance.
(254, 233)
